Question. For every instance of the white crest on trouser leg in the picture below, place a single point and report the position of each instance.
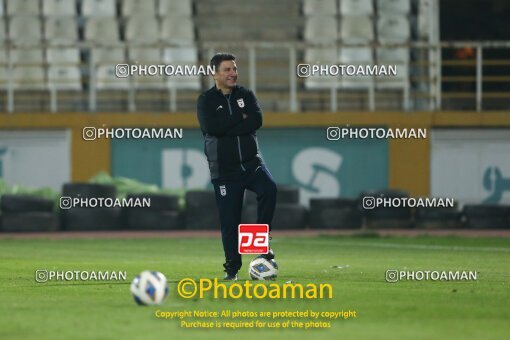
(223, 190)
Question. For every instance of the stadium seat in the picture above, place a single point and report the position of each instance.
(393, 29)
(29, 78)
(101, 30)
(109, 55)
(146, 56)
(182, 56)
(22, 7)
(322, 56)
(356, 7)
(28, 70)
(180, 8)
(178, 30)
(68, 56)
(138, 55)
(356, 29)
(60, 30)
(64, 77)
(356, 56)
(393, 56)
(425, 22)
(58, 8)
(25, 29)
(324, 7)
(27, 57)
(98, 8)
(137, 7)
(142, 29)
(393, 7)
(321, 29)
(106, 59)
(106, 79)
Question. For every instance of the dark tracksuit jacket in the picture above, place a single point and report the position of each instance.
(231, 143)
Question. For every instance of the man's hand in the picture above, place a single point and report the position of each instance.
(245, 116)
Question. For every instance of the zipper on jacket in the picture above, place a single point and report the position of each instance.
(238, 139)
(228, 102)
(240, 156)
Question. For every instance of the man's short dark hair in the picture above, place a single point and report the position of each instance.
(219, 57)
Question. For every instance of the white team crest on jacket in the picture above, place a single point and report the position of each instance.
(240, 102)
(223, 190)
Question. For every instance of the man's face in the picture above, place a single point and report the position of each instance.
(226, 74)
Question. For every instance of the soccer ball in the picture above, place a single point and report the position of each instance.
(149, 288)
(262, 269)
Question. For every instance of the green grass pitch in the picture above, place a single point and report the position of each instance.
(413, 309)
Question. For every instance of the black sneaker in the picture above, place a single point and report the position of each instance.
(230, 277)
(231, 269)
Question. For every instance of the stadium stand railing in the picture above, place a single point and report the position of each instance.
(51, 78)
(60, 56)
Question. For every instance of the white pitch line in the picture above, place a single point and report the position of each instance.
(400, 246)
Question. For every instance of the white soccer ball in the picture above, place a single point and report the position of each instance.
(149, 288)
(262, 269)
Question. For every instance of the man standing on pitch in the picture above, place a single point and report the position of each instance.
(229, 117)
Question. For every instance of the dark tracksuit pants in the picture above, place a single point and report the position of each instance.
(230, 204)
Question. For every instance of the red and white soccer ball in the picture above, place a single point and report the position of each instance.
(149, 288)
